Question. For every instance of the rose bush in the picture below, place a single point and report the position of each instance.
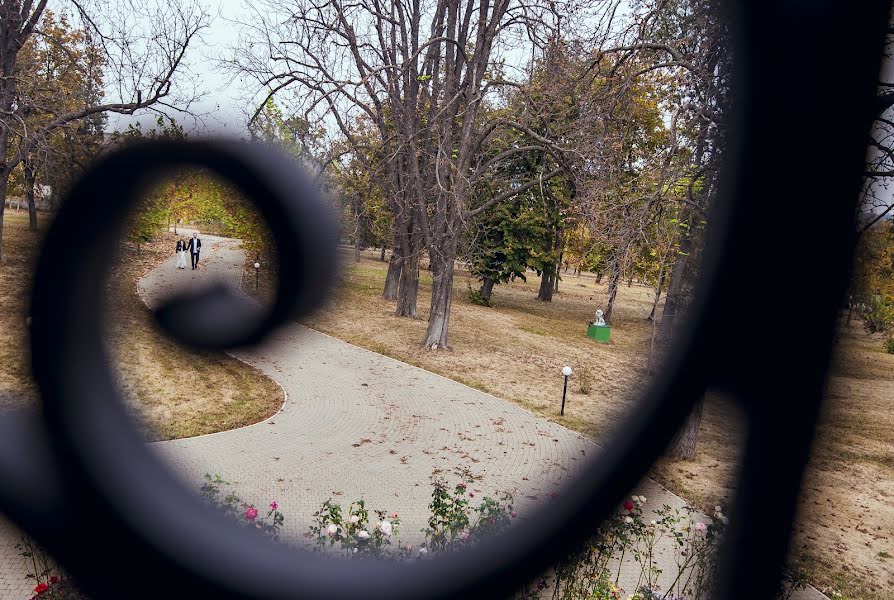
(50, 582)
(627, 539)
(243, 513)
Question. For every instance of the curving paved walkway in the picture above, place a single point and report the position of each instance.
(357, 424)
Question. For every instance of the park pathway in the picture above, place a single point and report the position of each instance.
(357, 424)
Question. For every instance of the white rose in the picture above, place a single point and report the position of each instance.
(423, 551)
(363, 534)
(653, 523)
(332, 529)
(355, 519)
(628, 520)
(718, 509)
(385, 527)
(642, 499)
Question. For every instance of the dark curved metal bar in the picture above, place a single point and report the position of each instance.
(130, 509)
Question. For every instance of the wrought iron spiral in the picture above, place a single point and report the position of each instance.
(79, 477)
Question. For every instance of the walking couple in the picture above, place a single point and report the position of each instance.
(194, 245)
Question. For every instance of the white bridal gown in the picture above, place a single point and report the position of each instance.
(181, 259)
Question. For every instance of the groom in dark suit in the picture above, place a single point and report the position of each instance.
(195, 246)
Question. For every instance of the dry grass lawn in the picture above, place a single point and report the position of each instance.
(846, 527)
(176, 393)
(19, 249)
(515, 350)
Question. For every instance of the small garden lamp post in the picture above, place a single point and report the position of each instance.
(566, 371)
(257, 275)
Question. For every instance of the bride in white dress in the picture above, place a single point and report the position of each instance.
(181, 254)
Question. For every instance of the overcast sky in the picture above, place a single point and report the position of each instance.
(223, 107)
(227, 103)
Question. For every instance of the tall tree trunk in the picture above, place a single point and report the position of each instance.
(547, 285)
(599, 277)
(392, 279)
(408, 287)
(487, 288)
(548, 276)
(4, 181)
(30, 177)
(357, 226)
(686, 440)
(658, 286)
(382, 255)
(560, 246)
(559, 265)
(677, 292)
(7, 97)
(441, 296)
(613, 280)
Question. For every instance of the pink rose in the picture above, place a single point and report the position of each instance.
(251, 513)
(274, 505)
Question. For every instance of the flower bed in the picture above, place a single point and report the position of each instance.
(457, 520)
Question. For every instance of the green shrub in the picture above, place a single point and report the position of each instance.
(475, 297)
(889, 345)
(877, 314)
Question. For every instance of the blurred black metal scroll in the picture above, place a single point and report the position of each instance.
(78, 476)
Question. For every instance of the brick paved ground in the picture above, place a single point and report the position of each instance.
(13, 585)
(360, 425)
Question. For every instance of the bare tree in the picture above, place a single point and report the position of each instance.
(422, 73)
(144, 48)
(877, 200)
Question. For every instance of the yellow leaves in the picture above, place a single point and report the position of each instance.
(59, 71)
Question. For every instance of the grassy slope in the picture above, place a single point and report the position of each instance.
(176, 393)
(516, 349)
(19, 244)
